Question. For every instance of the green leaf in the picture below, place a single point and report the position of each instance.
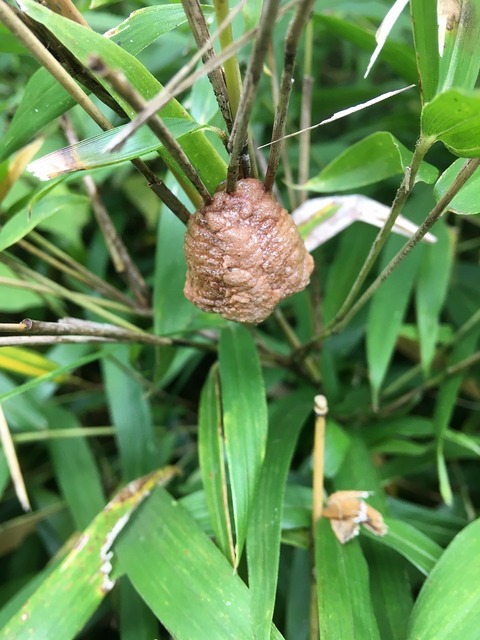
(343, 596)
(446, 401)
(440, 525)
(466, 202)
(84, 43)
(390, 588)
(448, 607)
(52, 375)
(460, 62)
(351, 252)
(130, 413)
(431, 290)
(212, 465)
(182, 576)
(75, 468)
(453, 117)
(15, 298)
(337, 443)
(264, 531)
(244, 420)
(387, 312)
(172, 311)
(373, 159)
(81, 581)
(412, 544)
(396, 54)
(392, 604)
(21, 223)
(91, 154)
(424, 21)
(137, 621)
(44, 99)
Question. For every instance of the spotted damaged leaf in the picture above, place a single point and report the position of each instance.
(244, 254)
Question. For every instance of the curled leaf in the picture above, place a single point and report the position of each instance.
(347, 510)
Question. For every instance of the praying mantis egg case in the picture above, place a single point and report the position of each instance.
(244, 254)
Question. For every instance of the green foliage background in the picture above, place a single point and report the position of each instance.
(221, 415)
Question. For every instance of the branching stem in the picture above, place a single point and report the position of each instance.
(238, 139)
(295, 30)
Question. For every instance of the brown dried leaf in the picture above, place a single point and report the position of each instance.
(347, 510)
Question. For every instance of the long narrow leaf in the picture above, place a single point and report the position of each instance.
(182, 575)
(82, 580)
(344, 606)
(212, 463)
(264, 531)
(448, 607)
(245, 421)
(131, 415)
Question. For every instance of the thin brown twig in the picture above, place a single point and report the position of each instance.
(121, 259)
(198, 26)
(238, 140)
(450, 371)
(121, 85)
(81, 273)
(99, 306)
(84, 330)
(464, 174)
(306, 114)
(180, 82)
(295, 30)
(287, 169)
(47, 60)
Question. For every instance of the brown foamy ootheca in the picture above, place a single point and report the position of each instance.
(244, 254)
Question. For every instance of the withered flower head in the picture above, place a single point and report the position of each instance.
(347, 510)
(244, 254)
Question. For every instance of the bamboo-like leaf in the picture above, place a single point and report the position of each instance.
(344, 605)
(424, 22)
(453, 117)
(448, 607)
(411, 543)
(137, 622)
(182, 576)
(25, 362)
(396, 54)
(466, 201)
(460, 59)
(83, 43)
(390, 588)
(32, 384)
(91, 154)
(81, 581)
(264, 531)
(244, 421)
(386, 157)
(44, 99)
(320, 219)
(130, 412)
(21, 223)
(172, 311)
(212, 463)
(75, 468)
(431, 290)
(387, 312)
(447, 397)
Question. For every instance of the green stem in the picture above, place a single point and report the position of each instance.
(423, 145)
(232, 70)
